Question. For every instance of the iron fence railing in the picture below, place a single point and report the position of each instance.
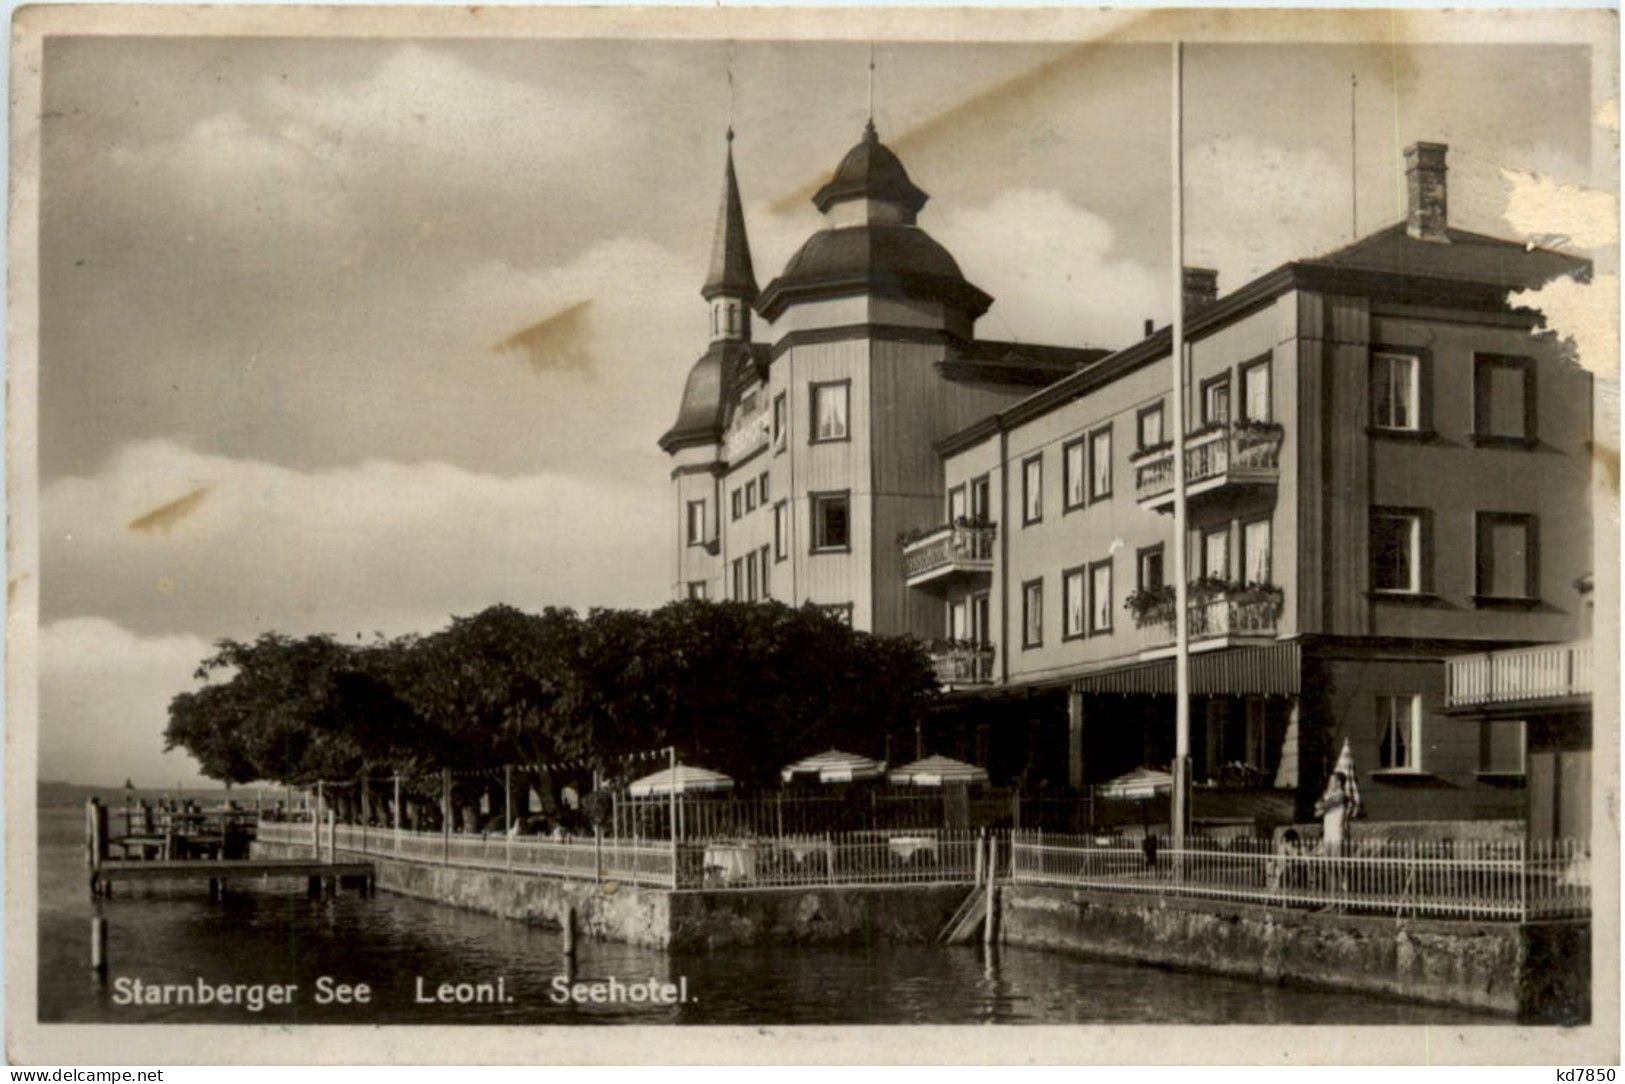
(834, 858)
(963, 664)
(1511, 880)
(1253, 447)
(958, 546)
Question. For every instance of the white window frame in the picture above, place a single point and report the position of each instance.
(695, 531)
(1388, 719)
(1382, 413)
(844, 389)
(1075, 474)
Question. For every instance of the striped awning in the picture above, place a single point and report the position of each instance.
(1244, 671)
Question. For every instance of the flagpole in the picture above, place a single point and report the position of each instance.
(1182, 708)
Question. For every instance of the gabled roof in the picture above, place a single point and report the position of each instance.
(731, 272)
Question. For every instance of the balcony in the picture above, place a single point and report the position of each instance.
(1240, 456)
(749, 435)
(1549, 672)
(961, 662)
(947, 552)
(1219, 616)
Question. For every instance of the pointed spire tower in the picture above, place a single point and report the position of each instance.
(730, 286)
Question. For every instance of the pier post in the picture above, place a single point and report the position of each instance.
(507, 815)
(98, 945)
(313, 888)
(214, 890)
(992, 891)
(567, 924)
(396, 811)
(332, 836)
(981, 852)
(95, 833)
(316, 822)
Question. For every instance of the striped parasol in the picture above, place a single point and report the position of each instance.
(833, 766)
(1138, 785)
(938, 771)
(690, 780)
(1345, 764)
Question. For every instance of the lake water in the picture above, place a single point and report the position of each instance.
(272, 934)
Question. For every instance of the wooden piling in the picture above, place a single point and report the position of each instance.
(98, 945)
(992, 892)
(313, 888)
(95, 833)
(214, 890)
(567, 924)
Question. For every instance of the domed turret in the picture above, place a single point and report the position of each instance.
(730, 287)
(871, 172)
(873, 246)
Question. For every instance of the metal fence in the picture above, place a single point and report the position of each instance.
(811, 812)
(1442, 879)
(836, 858)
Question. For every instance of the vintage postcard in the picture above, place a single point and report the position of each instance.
(782, 529)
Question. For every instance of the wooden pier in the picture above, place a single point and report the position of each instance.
(199, 846)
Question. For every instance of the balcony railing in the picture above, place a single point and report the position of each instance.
(947, 551)
(1239, 613)
(749, 435)
(1528, 673)
(962, 664)
(1246, 453)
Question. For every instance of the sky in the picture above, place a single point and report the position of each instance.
(349, 336)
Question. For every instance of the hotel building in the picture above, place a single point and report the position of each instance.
(1387, 468)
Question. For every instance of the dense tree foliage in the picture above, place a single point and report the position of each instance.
(740, 688)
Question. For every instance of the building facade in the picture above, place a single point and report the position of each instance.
(805, 442)
(1386, 467)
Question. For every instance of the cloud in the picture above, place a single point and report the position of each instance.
(383, 546)
(104, 700)
(1050, 267)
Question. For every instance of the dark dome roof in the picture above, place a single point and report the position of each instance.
(873, 258)
(699, 418)
(870, 171)
(706, 395)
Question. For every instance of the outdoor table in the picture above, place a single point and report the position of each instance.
(736, 862)
(906, 847)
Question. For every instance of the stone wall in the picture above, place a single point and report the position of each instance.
(663, 919)
(1538, 973)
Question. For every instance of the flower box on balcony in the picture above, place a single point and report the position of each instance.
(964, 547)
(1242, 454)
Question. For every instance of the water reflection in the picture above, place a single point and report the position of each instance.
(274, 934)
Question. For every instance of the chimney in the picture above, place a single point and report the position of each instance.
(1150, 326)
(1201, 288)
(1428, 214)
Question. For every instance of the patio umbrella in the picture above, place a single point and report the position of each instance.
(1138, 785)
(833, 767)
(690, 780)
(1345, 764)
(938, 771)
